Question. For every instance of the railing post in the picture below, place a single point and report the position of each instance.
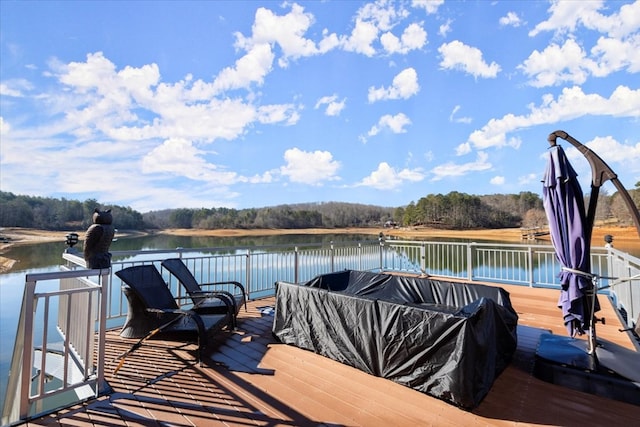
(470, 261)
(296, 265)
(632, 312)
(381, 254)
(423, 258)
(332, 255)
(530, 266)
(27, 349)
(248, 274)
(105, 290)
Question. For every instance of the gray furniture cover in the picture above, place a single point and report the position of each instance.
(449, 340)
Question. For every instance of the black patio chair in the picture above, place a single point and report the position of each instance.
(153, 309)
(207, 301)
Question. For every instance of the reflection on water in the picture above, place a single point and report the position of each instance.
(44, 255)
(163, 241)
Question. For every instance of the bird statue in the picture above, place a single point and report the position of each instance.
(98, 239)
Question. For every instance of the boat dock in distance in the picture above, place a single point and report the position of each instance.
(532, 233)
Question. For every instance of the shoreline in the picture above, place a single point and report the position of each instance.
(624, 237)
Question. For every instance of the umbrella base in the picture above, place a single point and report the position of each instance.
(565, 361)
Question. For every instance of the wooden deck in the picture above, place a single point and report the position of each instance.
(253, 381)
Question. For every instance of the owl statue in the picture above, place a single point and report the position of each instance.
(98, 239)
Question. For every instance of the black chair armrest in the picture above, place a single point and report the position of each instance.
(238, 285)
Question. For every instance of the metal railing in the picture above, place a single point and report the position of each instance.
(519, 264)
(258, 268)
(55, 361)
(625, 285)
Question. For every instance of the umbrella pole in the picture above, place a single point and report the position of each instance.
(592, 330)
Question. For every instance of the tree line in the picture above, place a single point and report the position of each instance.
(47, 213)
(452, 211)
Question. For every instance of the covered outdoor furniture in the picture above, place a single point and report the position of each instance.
(208, 301)
(449, 340)
(151, 306)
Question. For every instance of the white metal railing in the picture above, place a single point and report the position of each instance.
(258, 268)
(520, 264)
(625, 287)
(55, 362)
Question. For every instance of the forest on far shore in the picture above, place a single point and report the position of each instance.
(448, 211)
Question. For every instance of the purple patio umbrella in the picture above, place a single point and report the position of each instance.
(570, 234)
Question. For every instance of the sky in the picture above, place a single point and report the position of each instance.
(248, 104)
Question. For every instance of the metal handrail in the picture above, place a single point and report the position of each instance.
(25, 398)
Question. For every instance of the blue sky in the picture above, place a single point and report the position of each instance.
(246, 104)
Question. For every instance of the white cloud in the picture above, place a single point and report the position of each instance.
(556, 65)
(382, 13)
(610, 55)
(4, 127)
(413, 37)
(454, 119)
(395, 124)
(404, 86)
(310, 167)
(334, 107)
(445, 28)
(569, 63)
(268, 31)
(179, 157)
(388, 178)
(381, 17)
(361, 39)
(430, 6)
(567, 15)
(528, 179)
(278, 113)
(571, 103)
(132, 104)
(497, 180)
(458, 56)
(15, 88)
(617, 49)
(251, 68)
(452, 169)
(612, 151)
(287, 32)
(511, 19)
(462, 149)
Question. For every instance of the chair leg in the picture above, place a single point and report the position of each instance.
(202, 342)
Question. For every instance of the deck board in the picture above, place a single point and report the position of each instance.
(250, 380)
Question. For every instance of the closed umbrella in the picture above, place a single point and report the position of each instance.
(571, 229)
(570, 234)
